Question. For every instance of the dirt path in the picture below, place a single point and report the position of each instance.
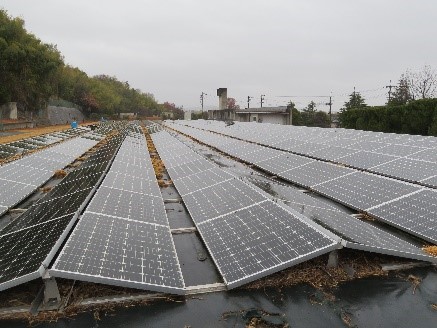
(31, 132)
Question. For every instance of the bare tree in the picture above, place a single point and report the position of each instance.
(422, 84)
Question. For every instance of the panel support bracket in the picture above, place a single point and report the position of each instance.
(52, 297)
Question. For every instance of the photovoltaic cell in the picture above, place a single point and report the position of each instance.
(121, 252)
(259, 240)
(416, 213)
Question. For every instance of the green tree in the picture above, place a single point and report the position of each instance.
(321, 119)
(296, 118)
(355, 102)
(308, 114)
(401, 95)
(27, 66)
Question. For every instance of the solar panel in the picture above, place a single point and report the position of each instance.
(128, 205)
(121, 252)
(283, 162)
(201, 180)
(364, 190)
(407, 169)
(220, 199)
(309, 148)
(259, 240)
(127, 229)
(332, 153)
(367, 145)
(354, 231)
(24, 253)
(430, 181)
(33, 177)
(314, 173)
(289, 144)
(29, 243)
(12, 193)
(47, 210)
(141, 184)
(398, 150)
(261, 154)
(416, 213)
(425, 155)
(181, 160)
(187, 169)
(365, 159)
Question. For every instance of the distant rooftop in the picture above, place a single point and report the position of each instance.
(279, 109)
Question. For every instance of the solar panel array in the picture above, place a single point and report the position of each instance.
(355, 233)
(406, 157)
(23, 146)
(20, 178)
(124, 238)
(360, 190)
(29, 243)
(247, 234)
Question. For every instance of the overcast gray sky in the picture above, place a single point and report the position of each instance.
(176, 49)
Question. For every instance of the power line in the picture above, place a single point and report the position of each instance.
(201, 100)
(330, 107)
(389, 90)
(248, 101)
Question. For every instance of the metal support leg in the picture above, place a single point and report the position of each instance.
(333, 259)
(52, 298)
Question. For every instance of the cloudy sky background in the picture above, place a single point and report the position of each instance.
(299, 49)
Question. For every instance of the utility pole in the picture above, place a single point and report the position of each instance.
(262, 100)
(330, 107)
(201, 100)
(389, 90)
(248, 101)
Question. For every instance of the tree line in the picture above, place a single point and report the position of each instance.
(410, 108)
(32, 72)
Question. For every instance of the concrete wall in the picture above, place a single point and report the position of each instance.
(9, 111)
(263, 118)
(64, 115)
(187, 115)
(274, 118)
(222, 93)
(19, 125)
